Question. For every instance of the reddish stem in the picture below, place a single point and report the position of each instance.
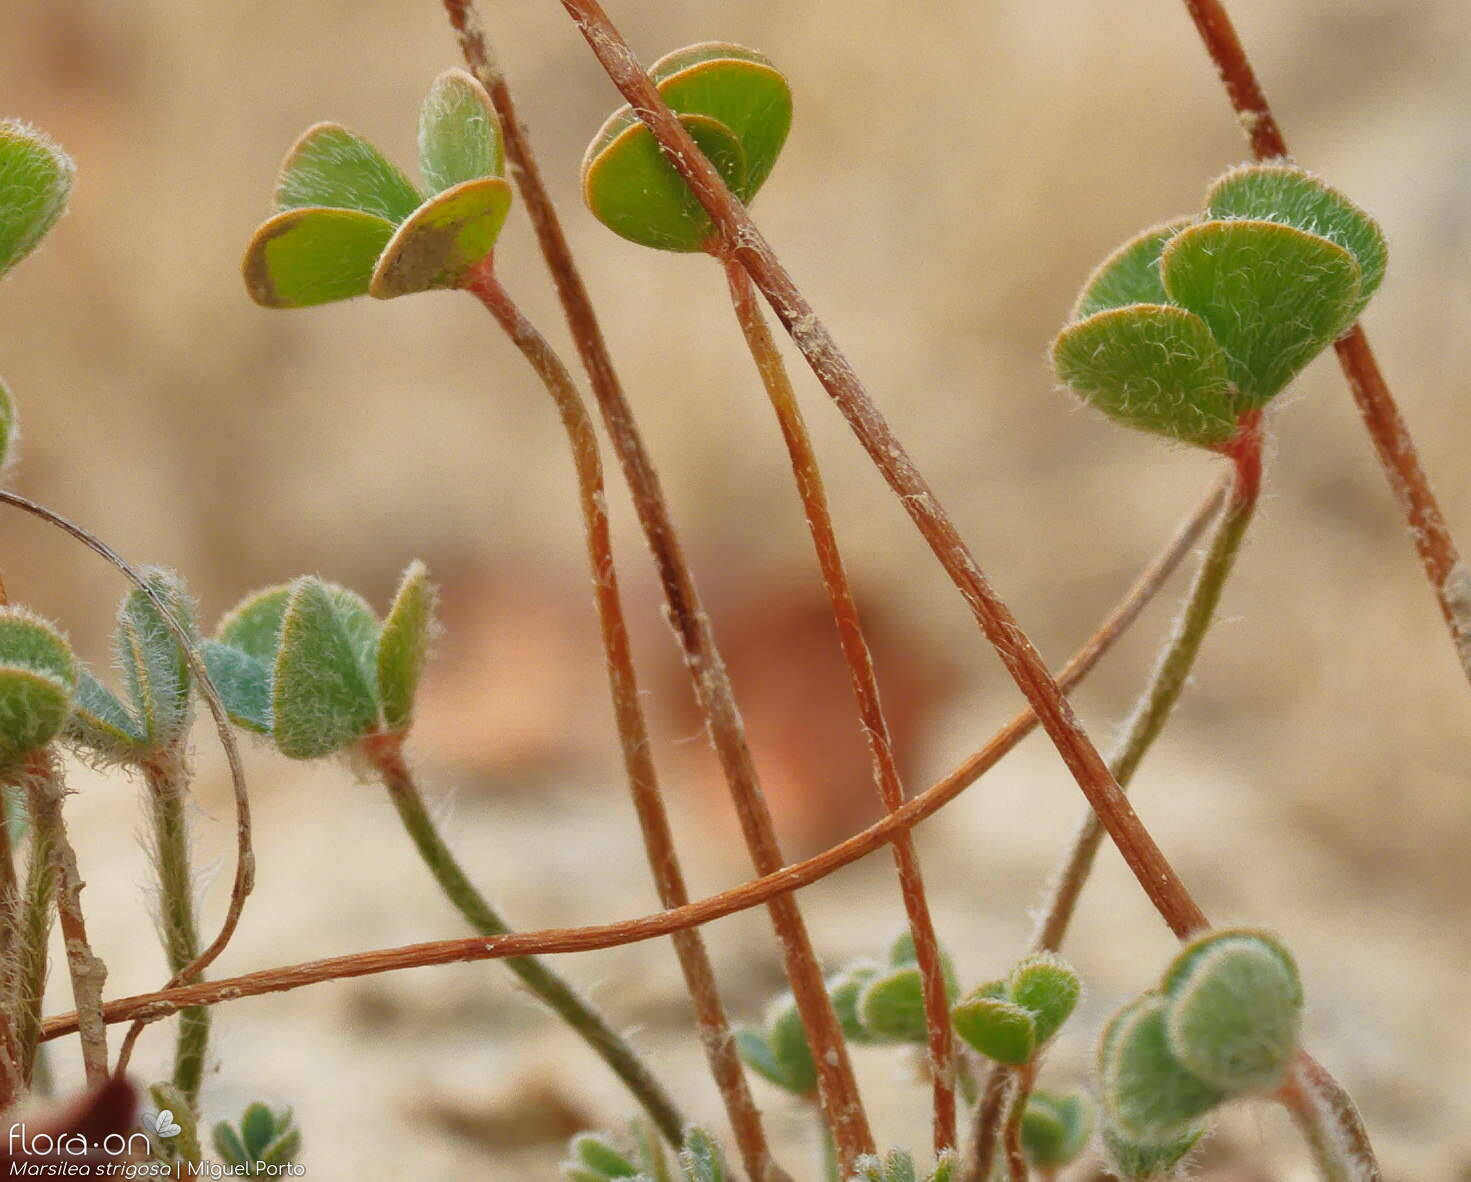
(1387, 428)
(865, 688)
(743, 240)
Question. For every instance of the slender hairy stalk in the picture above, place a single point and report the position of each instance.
(989, 1119)
(386, 755)
(740, 237)
(1390, 434)
(694, 958)
(866, 690)
(1165, 685)
(10, 1078)
(1011, 1134)
(244, 880)
(34, 942)
(1329, 1122)
(44, 791)
(167, 781)
(164, 1002)
(713, 692)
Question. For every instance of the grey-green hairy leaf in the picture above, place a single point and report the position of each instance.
(891, 1006)
(1272, 296)
(254, 624)
(1049, 988)
(1153, 367)
(243, 683)
(155, 667)
(35, 181)
(403, 646)
(702, 1159)
(101, 723)
(1130, 275)
(322, 696)
(1149, 1095)
(1283, 193)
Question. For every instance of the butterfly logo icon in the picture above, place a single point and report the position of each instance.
(162, 1124)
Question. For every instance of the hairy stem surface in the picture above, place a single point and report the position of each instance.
(44, 791)
(694, 958)
(167, 782)
(386, 756)
(865, 688)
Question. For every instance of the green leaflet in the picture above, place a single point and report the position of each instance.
(891, 1006)
(322, 698)
(1282, 193)
(303, 257)
(38, 675)
(101, 723)
(1055, 1128)
(1151, 367)
(332, 167)
(154, 666)
(459, 133)
(444, 240)
(1150, 1097)
(1272, 296)
(403, 646)
(254, 624)
(35, 181)
(244, 685)
(1130, 275)
(1049, 988)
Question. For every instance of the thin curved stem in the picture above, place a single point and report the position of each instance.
(1166, 684)
(1449, 577)
(162, 1003)
(865, 688)
(694, 958)
(1329, 1122)
(1163, 691)
(244, 880)
(386, 755)
(739, 236)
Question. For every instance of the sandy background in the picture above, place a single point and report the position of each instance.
(955, 170)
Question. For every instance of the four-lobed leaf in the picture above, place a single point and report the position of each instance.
(736, 106)
(1011, 1021)
(264, 1142)
(1190, 325)
(349, 223)
(35, 182)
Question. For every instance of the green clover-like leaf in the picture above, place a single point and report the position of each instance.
(459, 133)
(891, 1006)
(738, 108)
(323, 685)
(1049, 988)
(738, 88)
(1055, 1128)
(781, 1052)
(35, 181)
(403, 646)
(592, 1155)
(101, 723)
(154, 666)
(444, 240)
(334, 168)
(303, 257)
(637, 194)
(901, 952)
(243, 683)
(1130, 275)
(996, 1026)
(1149, 1095)
(1235, 1010)
(1284, 193)
(1272, 296)
(1153, 367)
(38, 675)
(844, 988)
(254, 624)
